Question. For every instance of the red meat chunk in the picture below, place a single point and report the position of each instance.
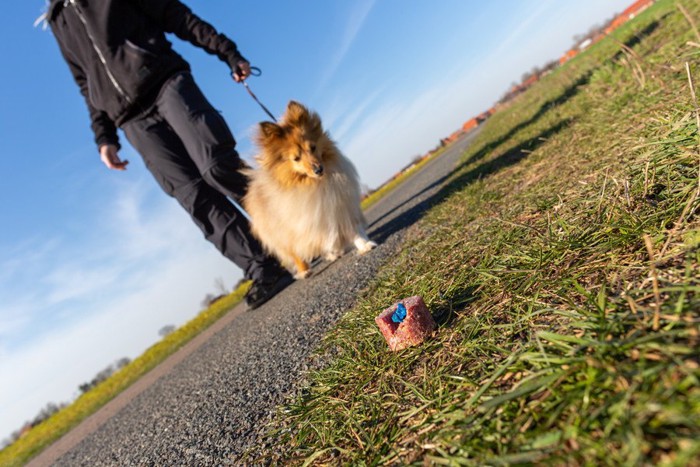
(412, 329)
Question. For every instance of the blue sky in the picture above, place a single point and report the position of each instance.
(94, 262)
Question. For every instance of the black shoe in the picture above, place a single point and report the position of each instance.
(262, 291)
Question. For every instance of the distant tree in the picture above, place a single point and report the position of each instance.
(7, 441)
(122, 362)
(103, 375)
(207, 300)
(578, 38)
(210, 299)
(535, 71)
(549, 66)
(220, 287)
(365, 189)
(166, 330)
(48, 410)
(45, 413)
(15, 435)
(593, 32)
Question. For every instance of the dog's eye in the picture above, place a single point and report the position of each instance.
(297, 158)
(312, 148)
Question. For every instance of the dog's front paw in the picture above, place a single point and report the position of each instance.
(302, 274)
(332, 256)
(366, 247)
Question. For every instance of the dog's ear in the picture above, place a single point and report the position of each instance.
(314, 124)
(296, 113)
(269, 130)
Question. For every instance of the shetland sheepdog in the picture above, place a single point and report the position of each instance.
(304, 199)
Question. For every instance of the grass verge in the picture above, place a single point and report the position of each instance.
(42, 435)
(561, 262)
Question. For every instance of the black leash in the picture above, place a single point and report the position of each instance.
(255, 71)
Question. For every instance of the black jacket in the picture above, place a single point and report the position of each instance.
(119, 56)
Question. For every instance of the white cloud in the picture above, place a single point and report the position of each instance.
(135, 232)
(16, 316)
(29, 254)
(352, 28)
(524, 28)
(342, 117)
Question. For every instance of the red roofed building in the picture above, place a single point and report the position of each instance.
(568, 56)
(631, 11)
(470, 124)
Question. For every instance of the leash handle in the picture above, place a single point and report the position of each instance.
(255, 71)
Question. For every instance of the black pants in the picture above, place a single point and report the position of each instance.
(190, 151)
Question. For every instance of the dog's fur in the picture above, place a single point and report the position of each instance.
(304, 199)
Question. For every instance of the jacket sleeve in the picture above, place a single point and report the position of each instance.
(177, 18)
(102, 126)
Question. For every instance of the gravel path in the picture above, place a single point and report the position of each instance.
(207, 404)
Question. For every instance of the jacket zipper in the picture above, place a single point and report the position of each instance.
(114, 81)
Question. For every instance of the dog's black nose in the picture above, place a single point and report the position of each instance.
(318, 169)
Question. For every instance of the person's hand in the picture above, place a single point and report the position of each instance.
(110, 157)
(242, 71)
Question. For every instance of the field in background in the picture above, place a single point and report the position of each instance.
(562, 263)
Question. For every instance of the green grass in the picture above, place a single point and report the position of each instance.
(41, 436)
(561, 262)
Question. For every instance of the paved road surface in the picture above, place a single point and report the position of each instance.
(207, 404)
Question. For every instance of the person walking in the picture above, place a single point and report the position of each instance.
(132, 79)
